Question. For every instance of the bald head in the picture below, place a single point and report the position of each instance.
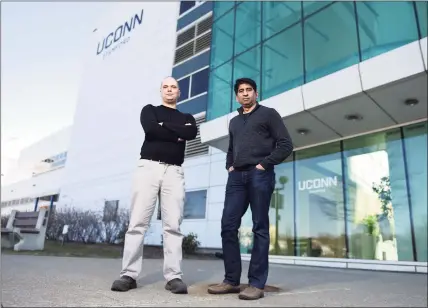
(170, 91)
(169, 81)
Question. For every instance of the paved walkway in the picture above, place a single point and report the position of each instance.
(30, 281)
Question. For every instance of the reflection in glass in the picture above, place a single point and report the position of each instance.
(282, 62)
(247, 65)
(278, 15)
(248, 26)
(415, 142)
(219, 96)
(377, 204)
(310, 7)
(184, 88)
(281, 214)
(199, 82)
(331, 42)
(381, 173)
(384, 26)
(221, 7)
(319, 202)
(222, 40)
(195, 204)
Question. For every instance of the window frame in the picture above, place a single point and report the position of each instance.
(190, 76)
(194, 39)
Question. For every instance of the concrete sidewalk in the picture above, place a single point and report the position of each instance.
(30, 281)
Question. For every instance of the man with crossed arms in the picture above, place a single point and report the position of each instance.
(159, 174)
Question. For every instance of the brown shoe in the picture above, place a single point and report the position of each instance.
(251, 293)
(223, 288)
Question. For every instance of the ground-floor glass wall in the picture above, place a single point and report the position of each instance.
(360, 198)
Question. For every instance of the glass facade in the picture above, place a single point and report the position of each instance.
(285, 44)
(360, 198)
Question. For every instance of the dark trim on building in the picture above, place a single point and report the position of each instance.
(409, 196)
(345, 199)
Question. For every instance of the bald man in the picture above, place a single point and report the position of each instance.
(159, 174)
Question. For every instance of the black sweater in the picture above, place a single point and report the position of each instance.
(259, 137)
(162, 141)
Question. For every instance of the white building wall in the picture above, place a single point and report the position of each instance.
(56, 143)
(107, 134)
(32, 155)
(20, 182)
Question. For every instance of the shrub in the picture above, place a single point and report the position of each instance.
(87, 226)
(190, 243)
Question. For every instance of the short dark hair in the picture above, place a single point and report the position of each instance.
(249, 81)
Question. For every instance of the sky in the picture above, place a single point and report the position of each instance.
(42, 50)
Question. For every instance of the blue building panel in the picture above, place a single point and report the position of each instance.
(194, 106)
(197, 13)
(191, 65)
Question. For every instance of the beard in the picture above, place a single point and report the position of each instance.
(248, 104)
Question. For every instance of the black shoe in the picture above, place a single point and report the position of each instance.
(176, 286)
(124, 284)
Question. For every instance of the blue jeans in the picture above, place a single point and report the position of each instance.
(254, 187)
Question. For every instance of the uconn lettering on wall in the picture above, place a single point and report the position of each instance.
(319, 184)
(120, 36)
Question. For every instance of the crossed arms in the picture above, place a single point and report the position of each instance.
(166, 131)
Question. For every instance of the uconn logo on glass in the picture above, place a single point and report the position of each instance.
(120, 36)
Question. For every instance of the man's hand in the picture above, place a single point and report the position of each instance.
(231, 169)
(260, 167)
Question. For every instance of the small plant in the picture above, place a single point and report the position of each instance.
(190, 243)
(383, 190)
(371, 224)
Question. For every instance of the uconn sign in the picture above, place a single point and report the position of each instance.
(119, 36)
(318, 184)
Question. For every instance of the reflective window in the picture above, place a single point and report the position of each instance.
(377, 202)
(248, 26)
(186, 5)
(195, 204)
(184, 88)
(247, 65)
(311, 7)
(330, 40)
(335, 35)
(415, 141)
(282, 62)
(220, 94)
(320, 219)
(384, 26)
(222, 40)
(221, 7)
(199, 82)
(278, 15)
(422, 10)
(281, 214)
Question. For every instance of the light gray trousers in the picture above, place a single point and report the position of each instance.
(153, 180)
